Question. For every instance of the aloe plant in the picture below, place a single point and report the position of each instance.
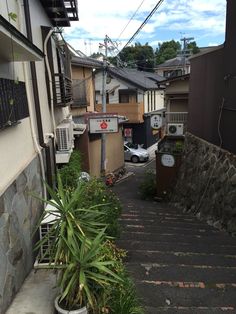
(76, 240)
(70, 222)
(86, 273)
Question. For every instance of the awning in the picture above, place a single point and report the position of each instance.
(79, 128)
(15, 46)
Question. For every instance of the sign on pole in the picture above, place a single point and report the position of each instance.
(104, 124)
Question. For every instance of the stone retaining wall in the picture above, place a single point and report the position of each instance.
(18, 215)
(207, 183)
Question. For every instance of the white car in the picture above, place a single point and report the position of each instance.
(135, 153)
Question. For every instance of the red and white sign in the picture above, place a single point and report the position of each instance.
(128, 132)
(104, 124)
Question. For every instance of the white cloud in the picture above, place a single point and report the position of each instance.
(98, 18)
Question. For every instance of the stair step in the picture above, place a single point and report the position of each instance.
(188, 258)
(205, 298)
(164, 272)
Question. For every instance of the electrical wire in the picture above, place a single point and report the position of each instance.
(132, 17)
(144, 23)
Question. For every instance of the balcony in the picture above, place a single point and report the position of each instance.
(61, 12)
(133, 111)
(62, 90)
(177, 117)
(13, 102)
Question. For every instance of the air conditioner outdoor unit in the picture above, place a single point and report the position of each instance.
(175, 129)
(64, 133)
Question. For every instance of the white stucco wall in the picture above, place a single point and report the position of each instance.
(156, 103)
(114, 83)
(16, 143)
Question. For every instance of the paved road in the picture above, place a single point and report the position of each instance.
(179, 264)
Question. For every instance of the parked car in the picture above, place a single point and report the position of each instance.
(135, 153)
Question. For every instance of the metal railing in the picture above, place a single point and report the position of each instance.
(62, 90)
(13, 102)
(176, 117)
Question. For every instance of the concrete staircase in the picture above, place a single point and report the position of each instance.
(179, 264)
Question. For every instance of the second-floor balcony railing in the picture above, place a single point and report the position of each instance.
(62, 90)
(176, 117)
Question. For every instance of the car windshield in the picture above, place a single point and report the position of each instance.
(131, 145)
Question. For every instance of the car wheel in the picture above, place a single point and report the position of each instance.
(135, 159)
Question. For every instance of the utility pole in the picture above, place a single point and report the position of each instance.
(185, 42)
(104, 105)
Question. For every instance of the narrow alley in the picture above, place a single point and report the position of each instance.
(179, 263)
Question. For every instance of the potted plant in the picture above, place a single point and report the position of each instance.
(76, 236)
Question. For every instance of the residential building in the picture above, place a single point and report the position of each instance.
(173, 67)
(35, 91)
(132, 94)
(83, 109)
(176, 99)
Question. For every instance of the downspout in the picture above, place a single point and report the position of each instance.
(50, 79)
(34, 76)
(38, 146)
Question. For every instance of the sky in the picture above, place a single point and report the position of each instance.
(204, 20)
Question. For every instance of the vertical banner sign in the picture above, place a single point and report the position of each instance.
(128, 132)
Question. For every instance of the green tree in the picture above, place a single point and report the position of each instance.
(193, 47)
(167, 50)
(138, 56)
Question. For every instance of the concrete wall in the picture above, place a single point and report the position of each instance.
(18, 215)
(114, 153)
(206, 183)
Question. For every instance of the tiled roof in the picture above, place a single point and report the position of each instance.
(86, 61)
(140, 79)
(175, 62)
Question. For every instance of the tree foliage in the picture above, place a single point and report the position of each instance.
(193, 47)
(138, 56)
(167, 50)
(143, 57)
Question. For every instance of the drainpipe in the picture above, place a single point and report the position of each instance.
(50, 79)
(32, 121)
(34, 76)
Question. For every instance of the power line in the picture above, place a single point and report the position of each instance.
(132, 17)
(144, 23)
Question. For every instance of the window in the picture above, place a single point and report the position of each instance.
(123, 98)
(13, 102)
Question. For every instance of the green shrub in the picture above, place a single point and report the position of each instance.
(70, 173)
(96, 192)
(148, 186)
(118, 298)
(124, 298)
